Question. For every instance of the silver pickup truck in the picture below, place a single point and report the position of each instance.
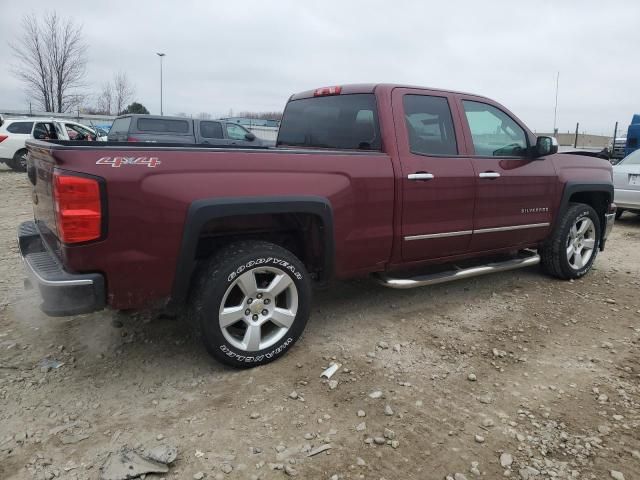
(161, 129)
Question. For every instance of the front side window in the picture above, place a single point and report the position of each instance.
(211, 130)
(20, 127)
(429, 125)
(346, 122)
(236, 132)
(494, 133)
(76, 132)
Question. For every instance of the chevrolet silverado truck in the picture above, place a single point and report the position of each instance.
(411, 185)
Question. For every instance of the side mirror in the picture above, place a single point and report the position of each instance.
(250, 137)
(546, 146)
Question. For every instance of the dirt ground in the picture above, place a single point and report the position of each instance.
(514, 375)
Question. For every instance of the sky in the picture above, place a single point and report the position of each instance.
(250, 55)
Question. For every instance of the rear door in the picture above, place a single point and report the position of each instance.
(514, 191)
(210, 132)
(438, 183)
(16, 134)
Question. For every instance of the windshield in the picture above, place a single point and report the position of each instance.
(337, 121)
(631, 159)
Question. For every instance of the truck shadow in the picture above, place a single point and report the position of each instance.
(117, 344)
(629, 219)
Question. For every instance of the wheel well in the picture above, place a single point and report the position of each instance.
(599, 201)
(300, 233)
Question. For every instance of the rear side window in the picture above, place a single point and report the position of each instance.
(20, 127)
(211, 130)
(429, 125)
(120, 125)
(163, 125)
(339, 121)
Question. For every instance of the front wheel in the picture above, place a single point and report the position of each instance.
(251, 303)
(572, 248)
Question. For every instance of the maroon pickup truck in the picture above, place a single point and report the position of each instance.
(412, 185)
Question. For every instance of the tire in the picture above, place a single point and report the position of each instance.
(244, 278)
(576, 235)
(619, 213)
(19, 161)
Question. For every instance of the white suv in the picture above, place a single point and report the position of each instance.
(15, 131)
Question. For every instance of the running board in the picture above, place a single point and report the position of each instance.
(526, 259)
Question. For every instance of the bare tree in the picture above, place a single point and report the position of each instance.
(51, 61)
(105, 99)
(122, 91)
(204, 116)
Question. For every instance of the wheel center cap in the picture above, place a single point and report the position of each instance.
(257, 306)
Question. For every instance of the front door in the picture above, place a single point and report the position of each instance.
(437, 183)
(514, 191)
(238, 135)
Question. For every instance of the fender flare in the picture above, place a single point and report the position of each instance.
(571, 188)
(202, 211)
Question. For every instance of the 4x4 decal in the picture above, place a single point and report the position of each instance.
(117, 162)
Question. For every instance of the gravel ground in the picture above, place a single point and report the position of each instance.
(514, 374)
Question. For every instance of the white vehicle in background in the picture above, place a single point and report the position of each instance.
(626, 182)
(15, 131)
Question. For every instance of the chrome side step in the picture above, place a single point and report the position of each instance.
(526, 259)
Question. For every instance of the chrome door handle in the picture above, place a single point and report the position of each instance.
(489, 175)
(420, 176)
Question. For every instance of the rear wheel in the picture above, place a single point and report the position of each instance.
(19, 161)
(573, 245)
(251, 303)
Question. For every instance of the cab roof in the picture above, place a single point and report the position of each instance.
(371, 88)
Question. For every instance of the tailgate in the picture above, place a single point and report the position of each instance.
(40, 166)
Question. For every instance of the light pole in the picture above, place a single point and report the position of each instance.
(555, 109)
(160, 55)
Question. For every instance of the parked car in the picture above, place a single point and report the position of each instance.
(15, 131)
(152, 128)
(626, 181)
(411, 185)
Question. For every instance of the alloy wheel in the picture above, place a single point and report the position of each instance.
(581, 242)
(258, 308)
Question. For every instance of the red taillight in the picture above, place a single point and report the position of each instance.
(132, 139)
(3, 138)
(324, 91)
(78, 208)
